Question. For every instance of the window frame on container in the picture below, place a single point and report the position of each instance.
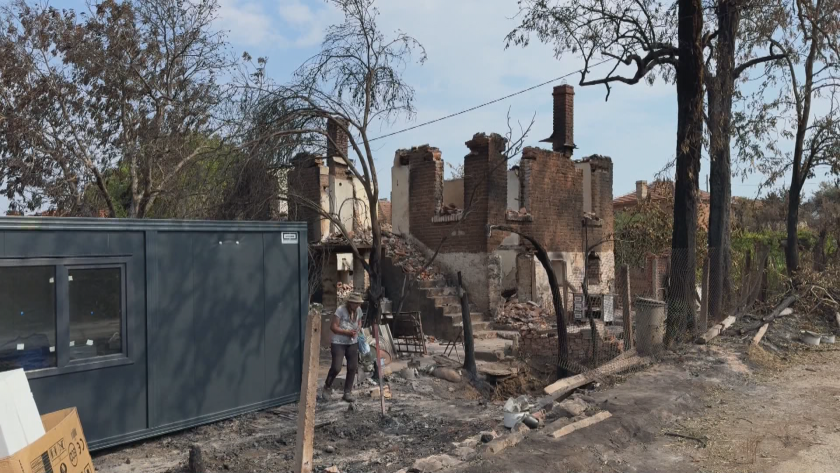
(62, 266)
(18, 263)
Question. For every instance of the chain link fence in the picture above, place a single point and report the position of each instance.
(662, 302)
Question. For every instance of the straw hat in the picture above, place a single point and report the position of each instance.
(355, 297)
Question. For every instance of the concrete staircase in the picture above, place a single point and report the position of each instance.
(438, 304)
(447, 301)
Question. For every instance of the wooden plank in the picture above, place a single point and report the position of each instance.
(308, 394)
(501, 443)
(778, 311)
(716, 330)
(568, 429)
(629, 338)
(760, 334)
(627, 360)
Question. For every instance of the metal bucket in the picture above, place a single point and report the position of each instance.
(650, 326)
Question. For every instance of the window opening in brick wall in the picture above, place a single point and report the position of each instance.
(593, 269)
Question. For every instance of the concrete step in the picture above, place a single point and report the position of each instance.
(444, 300)
(451, 309)
(426, 284)
(439, 291)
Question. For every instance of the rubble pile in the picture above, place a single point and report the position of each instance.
(343, 290)
(409, 258)
(513, 214)
(364, 237)
(527, 316)
(450, 209)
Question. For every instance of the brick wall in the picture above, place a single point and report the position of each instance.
(307, 181)
(554, 197)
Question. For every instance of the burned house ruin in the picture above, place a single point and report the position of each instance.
(565, 204)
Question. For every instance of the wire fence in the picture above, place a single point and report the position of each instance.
(664, 302)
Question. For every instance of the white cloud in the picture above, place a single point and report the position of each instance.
(246, 22)
(296, 13)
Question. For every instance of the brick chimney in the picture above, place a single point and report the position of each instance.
(337, 135)
(562, 137)
(641, 191)
(335, 152)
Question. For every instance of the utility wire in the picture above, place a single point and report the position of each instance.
(419, 125)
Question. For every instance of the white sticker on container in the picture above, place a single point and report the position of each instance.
(290, 238)
(20, 346)
(90, 343)
(52, 349)
(69, 278)
(52, 280)
(72, 343)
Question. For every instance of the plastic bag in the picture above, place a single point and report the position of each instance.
(364, 348)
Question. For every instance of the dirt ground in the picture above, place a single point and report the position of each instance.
(718, 408)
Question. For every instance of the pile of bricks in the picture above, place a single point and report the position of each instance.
(450, 209)
(409, 258)
(343, 290)
(359, 238)
(527, 318)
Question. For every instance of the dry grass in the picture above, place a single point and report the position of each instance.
(764, 359)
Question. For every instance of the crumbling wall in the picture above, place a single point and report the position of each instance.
(307, 181)
(399, 194)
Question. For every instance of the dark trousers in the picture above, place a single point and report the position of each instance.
(340, 352)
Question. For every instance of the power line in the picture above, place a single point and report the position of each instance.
(419, 125)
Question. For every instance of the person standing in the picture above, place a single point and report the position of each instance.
(345, 327)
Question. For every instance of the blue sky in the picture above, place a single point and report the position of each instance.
(468, 65)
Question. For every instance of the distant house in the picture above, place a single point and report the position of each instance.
(661, 192)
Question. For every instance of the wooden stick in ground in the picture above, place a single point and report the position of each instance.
(703, 321)
(308, 394)
(379, 365)
(469, 341)
(567, 429)
(629, 341)
(776, 312)
(716, 330)
(759, 335)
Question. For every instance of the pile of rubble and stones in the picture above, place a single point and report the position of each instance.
(525, 317)
(409, 258)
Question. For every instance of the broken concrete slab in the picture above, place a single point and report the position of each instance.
(434, 463)
(447, 374)
(570, 408)
(465, 453)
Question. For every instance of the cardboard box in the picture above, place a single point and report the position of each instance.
(63, 449)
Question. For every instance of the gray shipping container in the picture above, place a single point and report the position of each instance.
(148, 327)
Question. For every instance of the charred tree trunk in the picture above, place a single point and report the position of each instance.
(469, 341)
(792, 225)
(720, 90)
(562, 335)
(680, 319)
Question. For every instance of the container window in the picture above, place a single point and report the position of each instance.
(95, 303)
(27, 317)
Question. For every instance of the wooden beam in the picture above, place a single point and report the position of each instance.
(308, 394)
(625, 361)
(568, 429)
(629, 338)
(759, 335)
(776, 313)
(716, 330)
